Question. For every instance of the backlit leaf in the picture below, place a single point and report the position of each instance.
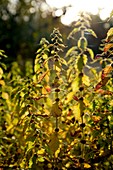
(91, 53)
(85, 59)
(71, 51)
(86, 80)
(109, 35)
(30, 145)
(77, 111)
(1, 73)
(41, 151)
(92, 32)
(86, 165)
(41, 159)
(5, 95)
(82, 43)
(69, 97)
(75, 84)
(106, 71)
(107, 47)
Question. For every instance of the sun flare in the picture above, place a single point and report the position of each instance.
(102, 8)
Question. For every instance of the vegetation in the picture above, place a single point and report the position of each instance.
(59, 114)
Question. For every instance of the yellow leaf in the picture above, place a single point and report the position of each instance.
(54, 142)
(8, 118)
(41, 151)
(86, 165)
(1, 73)
(2, 82)
(85, 59)
(86, 80)
(41, 159)
(109, 35)
(69, 97)
(77, 111)
(75, 84)
(15, 121)
(5, 95)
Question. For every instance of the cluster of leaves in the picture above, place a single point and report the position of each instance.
(59, 116)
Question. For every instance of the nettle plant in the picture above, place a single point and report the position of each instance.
(59, 116)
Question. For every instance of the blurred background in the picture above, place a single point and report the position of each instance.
(24, 22)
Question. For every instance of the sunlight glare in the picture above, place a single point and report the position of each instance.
(103, 8)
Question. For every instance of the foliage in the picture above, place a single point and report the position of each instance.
(59, 116)
(22, 25)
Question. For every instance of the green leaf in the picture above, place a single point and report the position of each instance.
(41, 159)
(80, 63)
(30, 146)
(2, 54)
(30, 162)
(92, 32)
